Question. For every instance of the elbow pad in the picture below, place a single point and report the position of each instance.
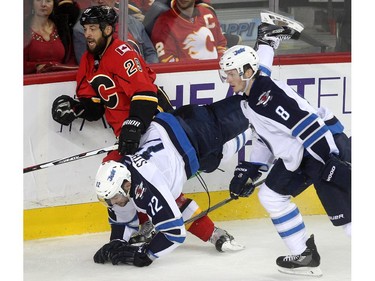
(143, 106)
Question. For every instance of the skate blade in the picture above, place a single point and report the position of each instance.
(280, 20)
(232, 246)
(304, 271)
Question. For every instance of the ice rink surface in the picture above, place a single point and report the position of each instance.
(70, 258)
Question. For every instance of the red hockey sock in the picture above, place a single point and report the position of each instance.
(202, 228)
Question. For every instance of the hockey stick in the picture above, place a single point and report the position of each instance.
(218, 205)
(69, 159)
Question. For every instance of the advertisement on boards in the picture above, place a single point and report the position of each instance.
(72, 183)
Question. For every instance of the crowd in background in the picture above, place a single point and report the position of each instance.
(160, 30)
(54, 39)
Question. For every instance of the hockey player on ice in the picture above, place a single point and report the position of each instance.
(153, 174)
(309, 146)
(113, 80)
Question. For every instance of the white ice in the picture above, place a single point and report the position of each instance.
(70, 258)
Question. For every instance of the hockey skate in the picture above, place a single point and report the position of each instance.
(224, 242)
(306, 263)
(276, 28)
(144, 235)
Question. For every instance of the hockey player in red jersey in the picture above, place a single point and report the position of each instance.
(114, 80)
(188, 32)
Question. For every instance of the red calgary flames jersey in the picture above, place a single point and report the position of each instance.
(114, 79)
(177, 38)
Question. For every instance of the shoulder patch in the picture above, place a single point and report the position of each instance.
(122, 49)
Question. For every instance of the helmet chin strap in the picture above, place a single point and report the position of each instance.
(247, 86)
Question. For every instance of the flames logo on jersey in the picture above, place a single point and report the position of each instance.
(201, 44)
(104, 87)
(139, 190)
(264, 98)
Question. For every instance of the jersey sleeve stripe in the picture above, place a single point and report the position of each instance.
(144, 98)
(180, 141)
(172, 230)
(175, 238)
(306, 122)
(265, 70)
(316, 136)
(170, 224)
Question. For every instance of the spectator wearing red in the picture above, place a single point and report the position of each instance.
(48, 36)
(188, 31)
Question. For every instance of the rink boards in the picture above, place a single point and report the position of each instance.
(61, 200)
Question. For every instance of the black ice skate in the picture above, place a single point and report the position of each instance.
(276, 28)
(306, 263)
(224, 242)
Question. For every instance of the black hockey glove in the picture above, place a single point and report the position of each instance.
(65, 109)
(130, 136)
(245, 175)
(128, 254)
(102, 255)
(337, 171)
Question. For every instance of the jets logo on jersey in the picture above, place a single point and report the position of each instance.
(139, 190)
(264, 98)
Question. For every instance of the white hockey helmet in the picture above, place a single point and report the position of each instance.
(237, 57)
(109, 180)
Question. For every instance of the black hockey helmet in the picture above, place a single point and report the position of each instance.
(102, 15)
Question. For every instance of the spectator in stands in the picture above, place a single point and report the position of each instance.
(147, 11)
(138, 8)
(48, 36)
(188, 31)
(137, 36)
(344, 29)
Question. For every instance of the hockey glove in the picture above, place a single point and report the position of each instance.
(102, 255)
(65, 109)
(337, 171)
(130, 136)
(245, 175)
(129, 254)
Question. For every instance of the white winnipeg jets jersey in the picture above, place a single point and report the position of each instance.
(159, 171)
(287, 123)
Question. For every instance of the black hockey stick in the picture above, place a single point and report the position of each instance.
(70, 159)
(218, 205)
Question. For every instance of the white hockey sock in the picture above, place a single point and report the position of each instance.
(232, 146)
(291, 228)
